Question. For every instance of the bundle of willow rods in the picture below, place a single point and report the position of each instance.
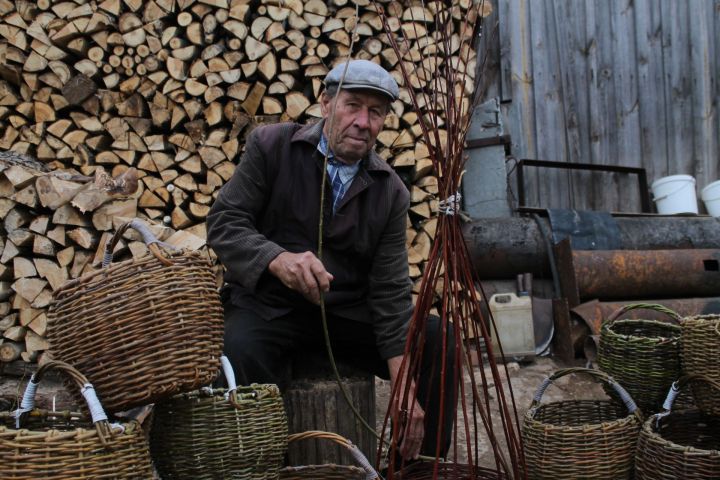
(449, 282)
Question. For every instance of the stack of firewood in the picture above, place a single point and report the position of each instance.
(165, 91)
(47, 239)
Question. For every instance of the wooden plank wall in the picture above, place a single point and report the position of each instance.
(611, 82)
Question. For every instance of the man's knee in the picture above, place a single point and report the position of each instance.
(440, 338)
(252, 349)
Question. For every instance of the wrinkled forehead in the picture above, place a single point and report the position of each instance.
(367, 97)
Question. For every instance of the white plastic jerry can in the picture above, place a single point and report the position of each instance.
(514, 322)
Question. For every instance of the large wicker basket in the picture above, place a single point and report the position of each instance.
(37, 444)
(682, 444)
(700, 342)
(641, 355)
(589, 439)
(208, 434)
(330, 472)
(141, 330)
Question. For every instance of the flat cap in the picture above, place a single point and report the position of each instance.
(364, 75)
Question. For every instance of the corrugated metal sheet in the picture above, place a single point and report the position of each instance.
(616, 82)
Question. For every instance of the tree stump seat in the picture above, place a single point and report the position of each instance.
(314, 401)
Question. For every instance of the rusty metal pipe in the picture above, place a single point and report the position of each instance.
(504, 247)
(625, 274)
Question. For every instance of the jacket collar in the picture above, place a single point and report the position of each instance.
(311, 134)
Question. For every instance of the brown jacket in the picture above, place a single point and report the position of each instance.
(272, 204)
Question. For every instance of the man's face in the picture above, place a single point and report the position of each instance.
(358, 118)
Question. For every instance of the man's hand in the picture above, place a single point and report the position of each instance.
(412, 423)
(302, 272)
(412, 419)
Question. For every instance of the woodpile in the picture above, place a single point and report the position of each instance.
(97, 94)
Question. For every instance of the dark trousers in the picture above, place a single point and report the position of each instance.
(260, 351)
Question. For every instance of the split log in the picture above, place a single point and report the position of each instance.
(10, 351)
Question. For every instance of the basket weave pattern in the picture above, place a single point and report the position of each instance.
(202, 435)
(642, 355)
(42, 452)
(700, 342)
(67, 446)
(323, 472)
(330, 471)
(682, 444)
(686, 446)
(589, 439)
(448, 471)
(140, 330)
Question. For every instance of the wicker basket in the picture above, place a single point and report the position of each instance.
(589, 439)
(141, 330)
(680, 444)
(323, 472)
(641, 355)
(66, 446)
(238, 433)
(448, 471)
(700, 350)
(330, 472)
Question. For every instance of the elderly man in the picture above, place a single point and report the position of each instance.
(264, 228)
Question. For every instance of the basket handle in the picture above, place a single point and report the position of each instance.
(649, 306)
(97, 413)
(230, 378)
(595, 374)
(238, 400)
(682, 382)
(370, 472)
(148, 237)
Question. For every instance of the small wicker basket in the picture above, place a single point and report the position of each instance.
(700, 347)
(37, 444)
(239, 433)
(589, 439)
(642, 355)
(141, 330)
(680, 444)
(330, 472)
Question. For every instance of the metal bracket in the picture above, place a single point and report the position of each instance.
(640, 172)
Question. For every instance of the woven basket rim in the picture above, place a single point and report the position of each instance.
(131, 427)
(213, 392)
(110, 269)
(654, 436)
(332, 466)
(609, 333)
(706, 317)
(647, 321)
(621, 421)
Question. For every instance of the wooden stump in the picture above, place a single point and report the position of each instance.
(314, 401)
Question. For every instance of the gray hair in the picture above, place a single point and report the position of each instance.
(332, 89)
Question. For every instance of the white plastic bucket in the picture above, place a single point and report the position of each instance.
(675, 194)
(711, 197)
